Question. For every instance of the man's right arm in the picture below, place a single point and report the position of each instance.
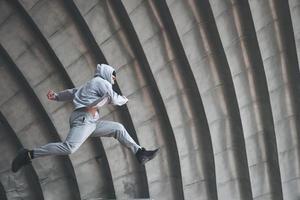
(65, 95)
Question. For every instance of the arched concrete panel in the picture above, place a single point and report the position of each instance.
(295, 15)
(277, 47)
(237, 33)
(260, 60)
(180, 95)
(149, 116)
(96, 184)
(28, 120)
(2, 192)
(23, 185)
(117, 51)
(197, 31)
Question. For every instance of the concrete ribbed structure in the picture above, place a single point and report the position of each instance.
(213, 83)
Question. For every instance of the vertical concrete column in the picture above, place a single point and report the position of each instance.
(197, 31)
(23, 185)
(276, 42)
(295, 15)
(148, 110)
(180, 95)
(237, 33)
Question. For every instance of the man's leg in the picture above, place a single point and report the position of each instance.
(81, 129)
(116, 130)
(74, 140)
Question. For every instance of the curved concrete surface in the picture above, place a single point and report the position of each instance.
(32, 128)
(181, 98)
(214, 83)
(246, 66)
(295, 15)
(24, 185)
(278, 51)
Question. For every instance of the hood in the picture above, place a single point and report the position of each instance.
(105, 72)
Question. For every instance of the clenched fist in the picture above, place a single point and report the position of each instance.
(51, 95)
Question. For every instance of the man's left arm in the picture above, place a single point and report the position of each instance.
(115, 98)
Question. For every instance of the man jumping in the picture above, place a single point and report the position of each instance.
(85, 120)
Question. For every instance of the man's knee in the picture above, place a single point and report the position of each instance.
(70, 148)
(119, 127)
(119, 130)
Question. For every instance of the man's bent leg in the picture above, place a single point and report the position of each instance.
(77, 135)
(82, 125)
(118, 131)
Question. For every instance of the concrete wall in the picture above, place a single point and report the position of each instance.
(213, 83)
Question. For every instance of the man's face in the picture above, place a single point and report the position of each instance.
(113, 79)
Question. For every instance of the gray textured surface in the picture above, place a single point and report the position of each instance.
(295, 15)
(214, 84)
(278, 51)
(240, 44)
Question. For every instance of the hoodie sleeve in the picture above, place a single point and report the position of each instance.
(115, 98)
(66, 95)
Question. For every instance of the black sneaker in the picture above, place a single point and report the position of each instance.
(22, 158)
(143, 156)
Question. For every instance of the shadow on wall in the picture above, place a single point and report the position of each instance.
(2, 193)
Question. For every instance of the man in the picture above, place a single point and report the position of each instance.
(85, 122)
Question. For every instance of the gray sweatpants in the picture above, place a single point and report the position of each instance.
(82, 126)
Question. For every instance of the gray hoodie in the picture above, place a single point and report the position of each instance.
(98, 89)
